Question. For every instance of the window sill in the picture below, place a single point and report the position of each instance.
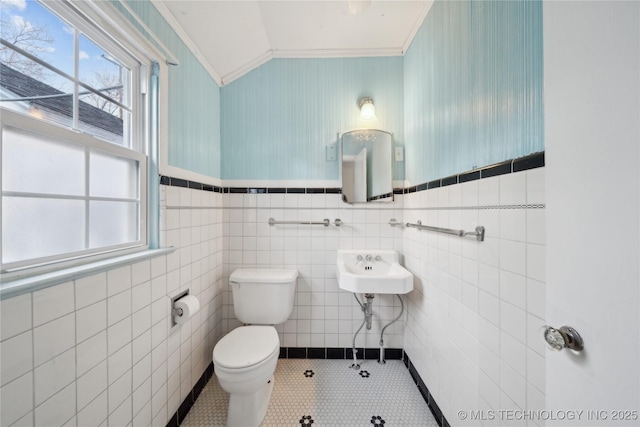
(29, 284)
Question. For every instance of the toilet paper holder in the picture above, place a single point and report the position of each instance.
(175, 311)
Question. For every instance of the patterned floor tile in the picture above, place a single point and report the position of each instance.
(327, 393)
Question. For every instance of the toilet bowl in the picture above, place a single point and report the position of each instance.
(245, 359)
(244, 362)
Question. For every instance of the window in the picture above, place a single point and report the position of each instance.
(73, 139)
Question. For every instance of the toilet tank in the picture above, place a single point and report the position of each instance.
(263, 296)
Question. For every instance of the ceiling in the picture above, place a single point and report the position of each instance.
(231, 38)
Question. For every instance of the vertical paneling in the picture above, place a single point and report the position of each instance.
(278, 119)
(473, 87)
(194, 99)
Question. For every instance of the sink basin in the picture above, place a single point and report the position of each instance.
(372, 272)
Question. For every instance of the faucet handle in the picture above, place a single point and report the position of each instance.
(378, 258)
(359, 258)
(368, 257)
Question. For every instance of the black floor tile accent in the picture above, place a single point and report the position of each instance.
(306, 420)
(377, 420)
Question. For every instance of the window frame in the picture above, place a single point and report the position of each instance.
(83, 19)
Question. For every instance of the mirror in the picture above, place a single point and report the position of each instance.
(366, 166)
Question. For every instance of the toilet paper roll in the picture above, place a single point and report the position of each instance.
(189, 306)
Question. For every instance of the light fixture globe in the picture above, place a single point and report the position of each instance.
(367, 110)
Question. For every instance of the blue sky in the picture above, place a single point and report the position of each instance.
(30, 14)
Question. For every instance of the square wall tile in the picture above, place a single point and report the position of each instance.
(121, 416)
(91, 352)
(90, 290)
(55, 375)
(95, 413)
(118, 307)
(16, 356)
(53, 302)
(118, 280)
(91, 320)
(513, 188)
(54, 338)
(119, 334)
(92, 384)
(16, 399)
(59, 409)
(15, 316)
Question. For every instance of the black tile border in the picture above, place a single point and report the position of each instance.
(532, 161)
(535, 160)
(178, 182)
(424, 391)
(187, 403)
(339, 353)
(321, 353)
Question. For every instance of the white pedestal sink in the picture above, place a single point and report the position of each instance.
(372, 272)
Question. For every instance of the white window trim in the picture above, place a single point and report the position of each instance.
(21, 286)
(31, 125)
(105, 17)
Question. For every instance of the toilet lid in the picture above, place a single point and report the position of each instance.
(246, 346)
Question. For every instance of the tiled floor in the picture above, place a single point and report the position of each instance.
(328, 393)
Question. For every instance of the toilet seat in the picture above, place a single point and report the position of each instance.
(246, 347)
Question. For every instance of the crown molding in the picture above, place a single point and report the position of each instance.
(241, 71)
(336, 53)
(175, 25)
(286, 53)
(416, 26)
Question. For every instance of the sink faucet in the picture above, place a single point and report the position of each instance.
(368, 258)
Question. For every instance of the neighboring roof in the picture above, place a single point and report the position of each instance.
(24, 86)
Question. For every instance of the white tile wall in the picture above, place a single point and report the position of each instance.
(486, 354)
(323, 315)
(96, 351)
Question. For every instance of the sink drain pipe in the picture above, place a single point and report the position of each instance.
(381, 360)
(368, 315)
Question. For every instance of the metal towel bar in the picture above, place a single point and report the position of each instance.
(324, 222)
(479, 233)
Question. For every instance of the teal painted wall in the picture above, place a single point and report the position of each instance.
(278, 119)
(473, 87)
(194, 99)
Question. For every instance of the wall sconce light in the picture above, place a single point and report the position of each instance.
(367, 113)
(367, 110)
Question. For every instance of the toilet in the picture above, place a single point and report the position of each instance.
(245, 359)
